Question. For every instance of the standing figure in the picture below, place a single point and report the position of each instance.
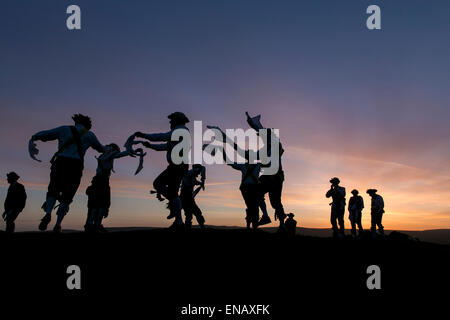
(291, 224)
(99, 192)
(337, 193)
(250, 191)
(271, 184)
(355, 207)
(376, 211)
(167, 184)
(188, 194)
(14, 202)
(67, 165)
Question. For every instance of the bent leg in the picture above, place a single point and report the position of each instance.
(161, 182)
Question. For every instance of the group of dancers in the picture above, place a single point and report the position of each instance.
(67, 166)
(68, 162)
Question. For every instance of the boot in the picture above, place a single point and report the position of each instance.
(44, 222)
(264, 220)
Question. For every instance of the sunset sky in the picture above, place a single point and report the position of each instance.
(371, 107)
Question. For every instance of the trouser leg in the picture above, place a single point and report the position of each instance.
(161, 183)
(49, 204)
(61, 213)
(275, 201)
(358, 222)
(250, 196)
(263, 207)
(333, 220)
(188, 217)
(373, 224)
(175, 209)
(198, 214)
(186, 203)
(341, 222)
(10, 226)
(353, 228)
(100, 213)
(380, 226)
(90, 216)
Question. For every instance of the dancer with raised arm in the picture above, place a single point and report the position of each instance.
(67, 164)
(99, 192)
(167, 184)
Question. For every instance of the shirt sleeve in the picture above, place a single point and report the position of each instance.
(121, 154)
(95, 144)
(158, 136)
(159, 147)
(48, 135)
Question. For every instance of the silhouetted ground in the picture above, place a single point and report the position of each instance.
(156, 271)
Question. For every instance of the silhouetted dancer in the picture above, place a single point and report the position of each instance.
(167, 184)
(271, 184)
(67, 164)
(355, 207)
(250, 191)
(376, 211)
(250, 185)
(291, 224)
(265, 219)
(188, 194)
(99, 192)
(14, 202)
(337, 193)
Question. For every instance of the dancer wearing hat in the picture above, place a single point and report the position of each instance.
(355, 207)
(251, 187)
(167, 184)
(271, 184)
(14, 202)
(376, 211)
(67, 164)
(337, 193)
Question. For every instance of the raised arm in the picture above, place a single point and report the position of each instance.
(226, 139)
(47, 135)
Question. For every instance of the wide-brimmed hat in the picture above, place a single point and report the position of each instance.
(291, 215)
(354, 191)
(335, 180)
(179, 117)
(370, 191)
(12, 175)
